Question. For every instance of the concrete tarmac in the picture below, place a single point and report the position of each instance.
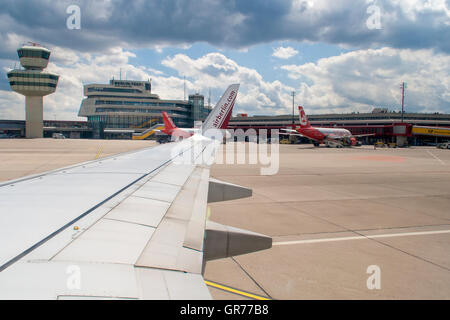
(23, 157)
(335, 216)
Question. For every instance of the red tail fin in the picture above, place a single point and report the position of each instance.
(304, 123)
(169, 126)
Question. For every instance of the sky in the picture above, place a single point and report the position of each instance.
(337, 56)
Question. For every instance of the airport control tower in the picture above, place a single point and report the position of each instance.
(33, 84)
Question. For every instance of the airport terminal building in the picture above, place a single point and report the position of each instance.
(124, 107)
(414, 128)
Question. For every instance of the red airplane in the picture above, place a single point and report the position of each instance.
(171, 129)
(332, 137)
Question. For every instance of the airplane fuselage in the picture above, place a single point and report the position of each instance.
(323, 135)
(179, 132)
(187, 132)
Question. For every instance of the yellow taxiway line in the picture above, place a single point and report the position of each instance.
(235, 291)
(100, 149)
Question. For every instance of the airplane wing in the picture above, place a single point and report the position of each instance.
(363, 135)
(294, 134)
(336, 137)
(130, 226)
(290, 132)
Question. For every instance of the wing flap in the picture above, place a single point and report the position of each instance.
(158, 191)
(196, 225)
(139, 210)
(166, 251)
(108, 241)
(164, 284)
(66, 280)
(178, 242)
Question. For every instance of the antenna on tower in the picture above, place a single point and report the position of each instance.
(209, 98)
(120, 74)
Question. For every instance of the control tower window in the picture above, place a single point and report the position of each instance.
(23, 53)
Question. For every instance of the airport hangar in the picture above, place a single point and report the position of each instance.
(416, 128)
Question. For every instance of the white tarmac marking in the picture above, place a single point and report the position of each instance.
(442, 162)
(284, 243)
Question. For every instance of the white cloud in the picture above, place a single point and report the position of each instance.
(359, 80)
(284, 53)
(63, 56)
(115, 56)
(12, 105)
(354, 81)
(11, 41)
(214, 70)
(75, 70)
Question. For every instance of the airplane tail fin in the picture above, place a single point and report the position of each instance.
(169, 126)
(220, 115)
(304, 123)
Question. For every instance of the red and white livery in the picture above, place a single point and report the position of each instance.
(217, 119)
(332, 137)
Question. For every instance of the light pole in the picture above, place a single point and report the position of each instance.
(403, 97)
(293, 117)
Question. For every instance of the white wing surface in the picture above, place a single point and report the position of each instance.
(131, 226)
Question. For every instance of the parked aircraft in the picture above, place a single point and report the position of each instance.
(332, 137)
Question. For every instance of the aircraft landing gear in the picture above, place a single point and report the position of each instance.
(334, 144)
